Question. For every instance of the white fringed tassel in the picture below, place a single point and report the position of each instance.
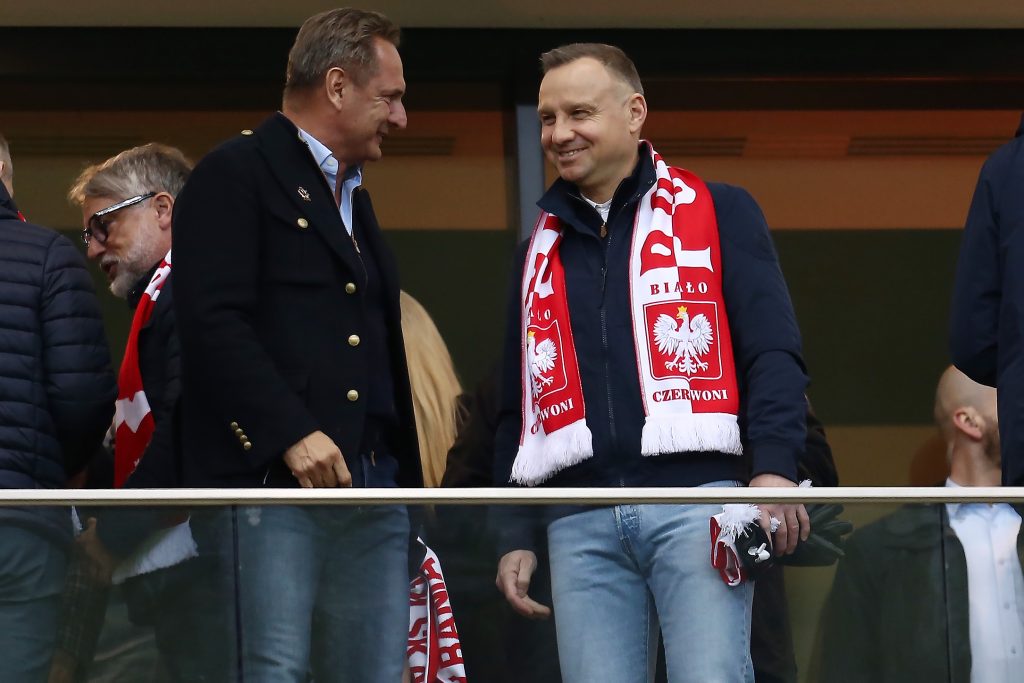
(163, 549)
(537, 462)
(698, 432)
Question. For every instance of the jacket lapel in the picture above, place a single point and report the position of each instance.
(296, 171)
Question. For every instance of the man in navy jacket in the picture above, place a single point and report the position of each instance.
(618, 573)
(986, 337)
(56, 400)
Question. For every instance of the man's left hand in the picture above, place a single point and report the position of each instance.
(794, 525)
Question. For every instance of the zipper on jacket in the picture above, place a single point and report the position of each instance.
(613, 437)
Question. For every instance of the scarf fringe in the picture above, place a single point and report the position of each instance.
(676, 433)
(161, 550)
(560, 449)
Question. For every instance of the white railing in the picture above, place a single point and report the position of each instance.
(508, 496)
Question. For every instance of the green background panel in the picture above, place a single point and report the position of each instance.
(873, 307)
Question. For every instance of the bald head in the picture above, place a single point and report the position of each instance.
(957, 391)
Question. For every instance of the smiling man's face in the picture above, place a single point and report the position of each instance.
(590, 125)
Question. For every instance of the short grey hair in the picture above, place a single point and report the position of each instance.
(148, 168)
(342, 38)
(7, 173)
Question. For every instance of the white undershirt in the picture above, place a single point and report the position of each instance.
(995, 588)
(601, 209)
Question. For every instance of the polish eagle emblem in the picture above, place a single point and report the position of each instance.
(686, 343)
(542, 359)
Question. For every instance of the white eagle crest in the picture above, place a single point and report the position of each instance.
(688, 342)
(542, 359)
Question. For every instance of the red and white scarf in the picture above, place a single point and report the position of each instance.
(434, 651)
(680, 329)
(133, 419)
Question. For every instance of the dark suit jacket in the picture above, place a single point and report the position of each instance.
(898, 610)
(986, 338)
(268, 291)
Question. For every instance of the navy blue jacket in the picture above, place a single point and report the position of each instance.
(765, 336)
(57, 389)
(986, 338)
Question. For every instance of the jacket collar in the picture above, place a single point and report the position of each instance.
(296, 171)
(8, 209)
(563, 198)
(139, 288)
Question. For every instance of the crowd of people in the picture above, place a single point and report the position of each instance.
(650, 341)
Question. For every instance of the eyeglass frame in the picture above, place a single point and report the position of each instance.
(90, 231)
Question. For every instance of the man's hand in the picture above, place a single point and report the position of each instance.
(514, 572)
(794, 522)
(101, 563)
(316, 461)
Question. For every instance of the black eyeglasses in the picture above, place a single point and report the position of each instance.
(96, 228)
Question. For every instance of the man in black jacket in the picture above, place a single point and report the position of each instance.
(56, 400)
(935, 592)
(126, 204)
(287, 300)
(651, 342)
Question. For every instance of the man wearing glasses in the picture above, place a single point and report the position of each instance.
(126, 204)
(294, 370)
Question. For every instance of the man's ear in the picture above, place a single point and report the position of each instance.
(637, 112)
(163, 202)
(969, 422)
(335, 82)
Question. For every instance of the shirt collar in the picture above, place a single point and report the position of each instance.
(952, 508)
(324, 158)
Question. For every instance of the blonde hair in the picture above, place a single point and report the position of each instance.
(435, 389)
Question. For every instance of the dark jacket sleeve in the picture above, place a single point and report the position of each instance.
(974, 318)
(516, 526)
(817, 463)
(80, 384)
(217, 258)
(765, 337)
(470, 460)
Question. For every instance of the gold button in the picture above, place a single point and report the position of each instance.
(302, 223)
(239, 432)
(353, 340)
(246, 446)
(350, 288)
(234, 425)
(353, 395)
(246, 132)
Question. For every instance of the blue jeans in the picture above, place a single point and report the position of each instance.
(619, 572)
(322, 591)
(32, 572)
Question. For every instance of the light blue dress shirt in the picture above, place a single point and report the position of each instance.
(352, 179)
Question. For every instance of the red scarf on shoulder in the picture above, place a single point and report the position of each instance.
(133, 419)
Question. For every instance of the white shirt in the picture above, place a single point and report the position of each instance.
(352, 179)
(995, 588)
(601, 209)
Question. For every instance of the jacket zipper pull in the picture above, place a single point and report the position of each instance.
(604, 230)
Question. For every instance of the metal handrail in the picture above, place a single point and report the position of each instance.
(506, 496)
